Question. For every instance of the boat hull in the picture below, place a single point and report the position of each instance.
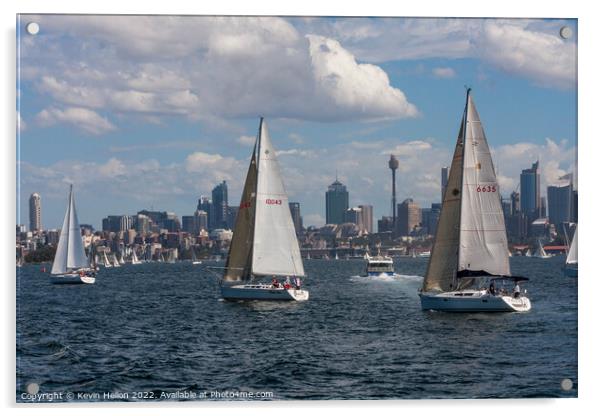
(72, 279)
(262, 292)
(473, 301)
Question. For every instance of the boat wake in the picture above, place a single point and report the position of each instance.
(386, 278)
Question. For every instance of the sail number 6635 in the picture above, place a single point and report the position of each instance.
(486, 188)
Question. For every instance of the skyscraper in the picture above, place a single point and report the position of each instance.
(367, 219)
(444, 178)
(560, 201)
(337, 202)
(408, 216)
(295, 208)
(220, 205)
(35, 212)
(206, 206)
(530, 198)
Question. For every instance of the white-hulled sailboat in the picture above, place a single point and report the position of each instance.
(541, 252)
(469, 262)
(571, 264)
(264, 243)
(135, 257)
(71, 265)
(195, 260)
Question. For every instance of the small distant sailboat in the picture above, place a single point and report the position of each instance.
(194, 258)
(528, 253)
(541, 253)
(135, 258)
(264, 243)
(571, 264)
(471, 247)
(171, 257)
(115, 261)
(105, 260)
(71, 265)
(336, 255)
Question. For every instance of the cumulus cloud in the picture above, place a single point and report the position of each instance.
(206, 68)
(81, 118)
(362, 88)
(525, 48)
(246, 140)
(444, 72)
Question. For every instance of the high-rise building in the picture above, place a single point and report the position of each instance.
(206, 206)
(35, 212)
(560, 201)
(367, 218)
(220, 205)
(433, 220)
(385, 224)
(530, 198)
(142, 224)
(354, 216)
(112, 223)
(232, 213)
(337, 202)
(126, 222)
(408, 216)
(295, 208)
(514, 203)
(444, 178)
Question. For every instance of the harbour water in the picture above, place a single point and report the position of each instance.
(159, 329)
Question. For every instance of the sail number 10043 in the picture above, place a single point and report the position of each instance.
(486, 188)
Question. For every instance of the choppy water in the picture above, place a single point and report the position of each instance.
(161, 328)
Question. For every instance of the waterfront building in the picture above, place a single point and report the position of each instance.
(219, 196)
(295, 208)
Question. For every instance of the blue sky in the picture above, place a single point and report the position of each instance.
(142, 112)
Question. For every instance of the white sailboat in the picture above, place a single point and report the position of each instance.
(471, 248)
(264, 243)
(171, 257)
(194, 258)
(135, 258)
(105, 260)
(70, 262)
(571, 264)
(115, 261)
(541, 253)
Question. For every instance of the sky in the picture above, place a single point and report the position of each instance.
(151, 112)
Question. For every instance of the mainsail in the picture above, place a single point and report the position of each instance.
(471, 234)
(571, 258)
(275, 245)
(70, 253)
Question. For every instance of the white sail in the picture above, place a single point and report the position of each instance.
(70, 253)
(238, 265)
(571, 258)
(275, 246)
(105, 260)
(443, 263)
(115, 261)
(135, 258)
(483, 242)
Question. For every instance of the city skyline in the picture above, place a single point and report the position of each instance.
(135, 130)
